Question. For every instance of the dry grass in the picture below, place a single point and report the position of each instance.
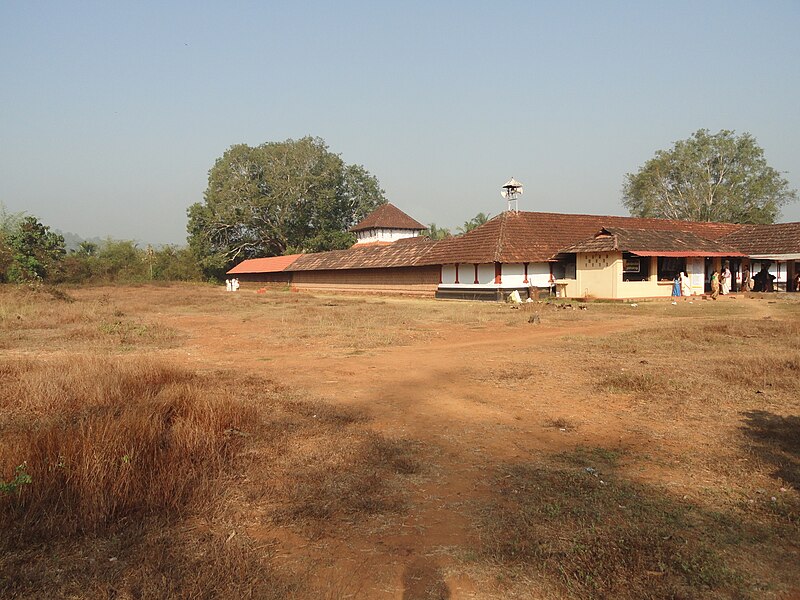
(132, 466)
(711, 510)
(46, 318)
(152, 480)
(106, 439)
(583, 532)
(124, 454)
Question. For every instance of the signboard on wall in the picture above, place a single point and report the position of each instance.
(631, 265)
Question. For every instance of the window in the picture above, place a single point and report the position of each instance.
(635, 268)
(564, 268)
(669, 267)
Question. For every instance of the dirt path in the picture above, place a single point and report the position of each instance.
(447, 395)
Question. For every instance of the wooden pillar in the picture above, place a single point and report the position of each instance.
(526, 273)
(441, 268)
(457, 281)
(476, 273)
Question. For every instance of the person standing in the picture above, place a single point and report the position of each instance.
(714, 285)
(746, 279)
(676, 285)
(725, 280)
(686, 286)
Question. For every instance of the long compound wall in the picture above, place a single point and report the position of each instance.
(406, 280)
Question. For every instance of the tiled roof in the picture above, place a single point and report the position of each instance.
(780, 238)
(538, 236)
(646, 242)
(388, 216)
(273, 264)
(406, 252)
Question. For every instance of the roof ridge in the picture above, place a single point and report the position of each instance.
(501, 235)
(387, 215)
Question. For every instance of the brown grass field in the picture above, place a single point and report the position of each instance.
(183, 442)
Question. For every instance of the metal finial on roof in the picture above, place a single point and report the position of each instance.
(511, 190)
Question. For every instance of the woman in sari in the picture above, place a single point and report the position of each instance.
(715, 284)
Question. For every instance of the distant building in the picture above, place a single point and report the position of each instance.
(386, 224)
(574, 256)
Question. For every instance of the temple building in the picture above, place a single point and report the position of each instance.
(572, 256)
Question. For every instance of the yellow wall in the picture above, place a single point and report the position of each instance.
(598, 274)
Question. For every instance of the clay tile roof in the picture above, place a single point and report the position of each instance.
(272, 264)
(388, 216)
(651, 242)
(406, 252)
(780, 238)
(539, 236)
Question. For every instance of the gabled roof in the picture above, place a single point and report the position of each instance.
(273, 264)
(652, 242)
(407, 252)
(388, 216)
(754, 240)
(538, 236)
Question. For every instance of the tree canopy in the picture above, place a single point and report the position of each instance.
(709, 177)
(474, 222)
(279, 198)
(435, 232)
(36, 252)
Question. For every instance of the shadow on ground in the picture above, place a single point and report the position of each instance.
(577, 524)
(776, 441)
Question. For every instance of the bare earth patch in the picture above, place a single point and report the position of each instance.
(397, 448)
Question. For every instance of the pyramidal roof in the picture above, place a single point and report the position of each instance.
(388, 216)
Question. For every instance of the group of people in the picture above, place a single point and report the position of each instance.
(231, 285)
(721, 281)
(764, 281)
(681, 285)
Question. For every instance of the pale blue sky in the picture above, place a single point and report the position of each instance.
(111, 114)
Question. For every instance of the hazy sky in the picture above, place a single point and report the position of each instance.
(111, 113)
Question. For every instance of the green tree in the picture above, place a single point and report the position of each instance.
(119, 260)
(437, 233)
(8, 224)
(474, 222)
(719, 177)
(278, 198)
(86, 248)
(172, 263)
(37, 252)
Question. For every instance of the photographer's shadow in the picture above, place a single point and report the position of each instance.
(776, 441)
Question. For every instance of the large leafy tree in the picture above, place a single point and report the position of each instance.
(709, 177)
(279, 198)
(37, 252)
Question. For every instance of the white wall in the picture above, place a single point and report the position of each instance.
(384, 235)
(513, 275)
(449, 274)
(539, 274)
(486, 273)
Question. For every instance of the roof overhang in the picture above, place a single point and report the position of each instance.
(686, 253)
(794, 256)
